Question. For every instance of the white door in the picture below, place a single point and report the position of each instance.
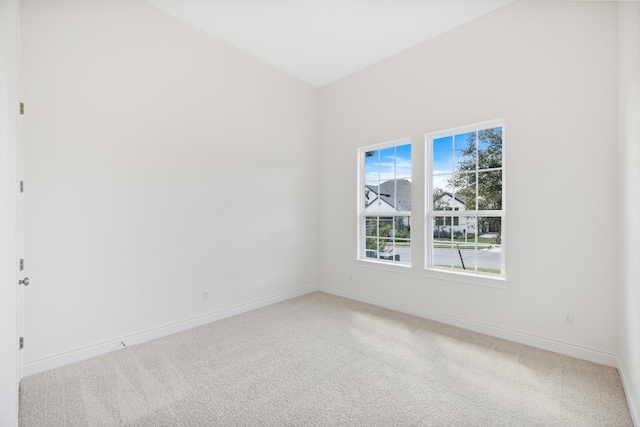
(23, 279)
(10, 234)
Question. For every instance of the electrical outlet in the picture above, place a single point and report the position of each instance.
(568, 319)
(205, 295)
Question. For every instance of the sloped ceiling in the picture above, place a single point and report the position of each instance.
(321, 41)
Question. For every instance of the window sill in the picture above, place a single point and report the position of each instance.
(469, 278)
(387, 266)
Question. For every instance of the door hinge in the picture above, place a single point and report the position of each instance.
(21, 343)
(21, 264)
(22, 186)
(22, 108)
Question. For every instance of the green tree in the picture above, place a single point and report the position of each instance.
(377, 239)
(476, 178)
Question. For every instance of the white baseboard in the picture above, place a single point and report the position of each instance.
(519, 337)
(507, 334)
(106, 347)
(633, 403)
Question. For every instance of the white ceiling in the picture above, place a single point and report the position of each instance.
(321, 41)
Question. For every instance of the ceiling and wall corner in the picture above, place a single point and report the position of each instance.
(321, 41)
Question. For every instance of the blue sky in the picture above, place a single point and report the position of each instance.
(388, 163)
(443, 158)
(395, 162)
(443, 152)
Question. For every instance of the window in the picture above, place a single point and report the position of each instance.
(465, 200)
(384, 203)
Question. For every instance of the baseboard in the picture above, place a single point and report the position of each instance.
(507, 334)
(519, 337)
(634, 409)
(106, 347)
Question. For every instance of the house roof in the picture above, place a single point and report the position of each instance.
(458, 197)
(394, 190)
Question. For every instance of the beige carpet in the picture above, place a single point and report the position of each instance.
(321, 360)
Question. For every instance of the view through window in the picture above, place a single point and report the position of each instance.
(385, 203)
(465, 200)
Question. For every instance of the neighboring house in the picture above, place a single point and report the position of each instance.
(445, 225)
(456, 202)
(392, 195)
(381, 198)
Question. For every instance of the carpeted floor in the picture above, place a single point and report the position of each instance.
(321, 360)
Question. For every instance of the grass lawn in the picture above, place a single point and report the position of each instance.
(487, 240)
(446, 244)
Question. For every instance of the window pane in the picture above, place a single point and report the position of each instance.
(442, 192)
(490, 148)
(385, 249)
(489, 245)
(385, 225)
(442, 228)
(441, 249)
(371, 227)
(469, 229)
(453, 245)
(372, 180)
(403, 162)
(442, 255)
(371, 237)
(388, 179)
(490, 190)
(395, 195)
(386, 191)
(460, 240)
(371, 166)
(370, 198)
(465, 194)
(465, 151)
(490, 227)
(402, 227)
(370, 248)
(443, 155)
(401, 188)
(465, 241)
(461, 257)
(402, 238)
(386, 246)
(388, 238)
(467, 256)
(387, 164)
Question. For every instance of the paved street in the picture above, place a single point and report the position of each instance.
(485, 259)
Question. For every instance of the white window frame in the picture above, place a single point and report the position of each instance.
(361, 259)
(475, 278)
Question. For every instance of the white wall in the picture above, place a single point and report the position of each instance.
(160, 163)
(548, 68)
(9, 291)
(629, 175)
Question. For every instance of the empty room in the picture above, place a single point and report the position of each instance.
(279, 212)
